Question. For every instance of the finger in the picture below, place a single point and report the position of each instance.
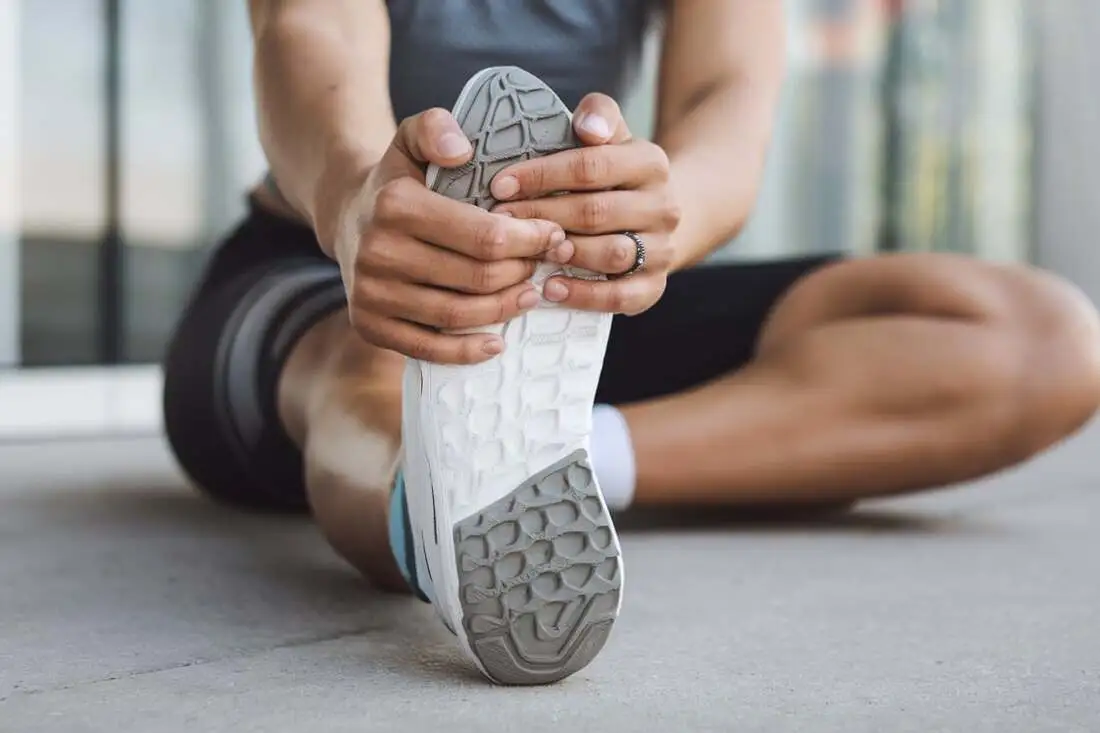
(433, 136)
(419, 262)
(425, 344)
(631, 295)
(595, 213)
(630, 165)
(598, 121)
(443, 309)
(406, 205)
(610, 254)
(615, 254)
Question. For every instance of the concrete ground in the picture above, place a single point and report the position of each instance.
(129, 604)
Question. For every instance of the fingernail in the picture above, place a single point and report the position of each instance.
(596, 126)
(555, 290)
(528, 299)
(563, 252)
(493, 347)
(509, 214)
(453, 145)
(505, 187)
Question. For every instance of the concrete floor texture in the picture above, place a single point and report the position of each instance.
(127, 603)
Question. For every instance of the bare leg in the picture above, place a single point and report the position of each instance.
(876, 377)
(340, 401)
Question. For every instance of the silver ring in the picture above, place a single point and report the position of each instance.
(639, 254)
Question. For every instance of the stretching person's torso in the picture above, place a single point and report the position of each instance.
(576, 46)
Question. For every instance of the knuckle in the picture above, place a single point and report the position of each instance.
(590, 166)
(532, 179)
(502, 310)
(671, 212)
(484, 277)
(391, 202)
(527, 210)
(660, 163)
(616, 299)
(364, 294)
(453, 315)
(621, 256)
(405, 127)
(491, 238)
(594, 211)
(420, 347)
(371, 247)
(468, 353)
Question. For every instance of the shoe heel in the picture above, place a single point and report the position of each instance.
(540, 576)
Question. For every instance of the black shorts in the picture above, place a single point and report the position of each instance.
(221, 420)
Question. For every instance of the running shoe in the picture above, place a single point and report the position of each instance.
(512, 539)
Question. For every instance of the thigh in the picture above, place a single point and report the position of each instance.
(706, 325)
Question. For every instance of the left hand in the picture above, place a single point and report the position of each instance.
(615, 184)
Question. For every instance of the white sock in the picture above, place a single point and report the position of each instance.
(613, 456)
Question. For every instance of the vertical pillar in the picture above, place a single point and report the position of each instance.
(10, 209)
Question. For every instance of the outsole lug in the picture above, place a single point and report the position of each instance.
(538, 605)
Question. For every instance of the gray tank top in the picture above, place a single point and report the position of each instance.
(575, 46)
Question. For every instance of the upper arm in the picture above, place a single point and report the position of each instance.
(329, 46)
(356, 16)
(709, 43)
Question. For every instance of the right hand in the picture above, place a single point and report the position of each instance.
(418, 266)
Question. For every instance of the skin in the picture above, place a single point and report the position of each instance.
(872, 377)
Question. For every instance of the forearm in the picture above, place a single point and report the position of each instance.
(717, 150)
(322, 94)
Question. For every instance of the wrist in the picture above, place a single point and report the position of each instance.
(338, 187)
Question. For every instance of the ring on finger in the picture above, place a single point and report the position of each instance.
(639, 254)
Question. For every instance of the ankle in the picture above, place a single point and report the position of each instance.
(355, 523)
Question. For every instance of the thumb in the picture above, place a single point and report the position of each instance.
(598, 120)
(433, 136)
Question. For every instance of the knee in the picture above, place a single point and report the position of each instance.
(1046, 381)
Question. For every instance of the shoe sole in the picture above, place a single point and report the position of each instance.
(538, 569)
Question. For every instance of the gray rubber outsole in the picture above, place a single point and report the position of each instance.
(539, 575)
(509, 117)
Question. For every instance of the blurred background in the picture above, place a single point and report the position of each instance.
(127, 140)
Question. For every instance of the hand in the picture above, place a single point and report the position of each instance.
(615, 184)
(416, 264)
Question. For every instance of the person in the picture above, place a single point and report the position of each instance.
(358, 285)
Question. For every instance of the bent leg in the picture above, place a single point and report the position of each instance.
(340, 400)
(271, 403)
(263, 286)
(875, 377)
